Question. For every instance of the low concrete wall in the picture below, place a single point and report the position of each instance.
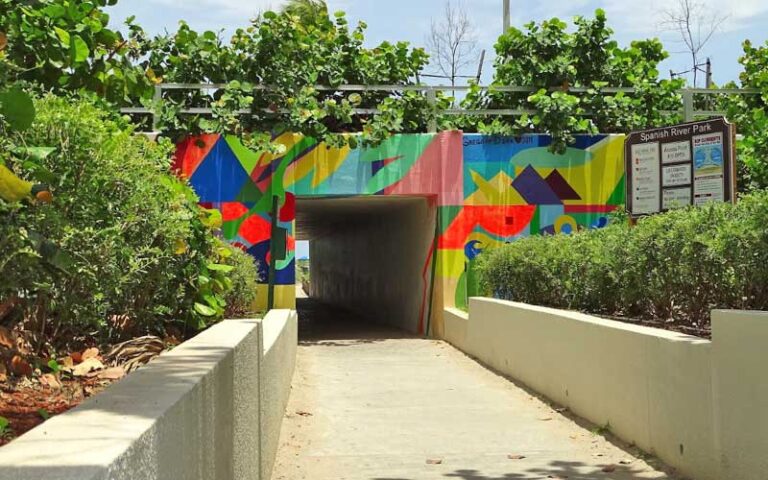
(740, 363)
(697, 405)
(280, 340)
(195, 412)
(455, 324)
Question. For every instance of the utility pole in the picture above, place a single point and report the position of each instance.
(507, 15)
(480, 66)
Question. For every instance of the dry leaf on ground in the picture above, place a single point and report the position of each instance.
(92, 352)
(89, 365)
(6, 338)
(434, 461)
(50, 380)
(66, 363)
(114, 373)
(20, 366)
(515, 457)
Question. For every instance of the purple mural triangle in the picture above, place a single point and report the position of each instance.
(533, 188)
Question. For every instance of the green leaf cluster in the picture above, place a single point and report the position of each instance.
(290, 52)
(123, 237)
(553, 60)
(750, 113)
(66, 45)
(673, 267)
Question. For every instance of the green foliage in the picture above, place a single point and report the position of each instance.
(54, 366)
(4, 426)
(66, 45)
(244, 278)
(675, 267)
(16, 108)
(290, 52)
(553, 60)
(109, 243)
(750, 113)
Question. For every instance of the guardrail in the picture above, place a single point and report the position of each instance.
(688, 110)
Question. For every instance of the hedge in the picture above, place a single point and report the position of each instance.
(673, 267)
(128, 238)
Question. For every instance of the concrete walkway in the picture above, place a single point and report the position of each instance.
(373, 404)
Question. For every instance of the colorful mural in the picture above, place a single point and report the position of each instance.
(489, 190)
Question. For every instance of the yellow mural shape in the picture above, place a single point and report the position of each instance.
(595, 181)
(328, 162)
(497, 191)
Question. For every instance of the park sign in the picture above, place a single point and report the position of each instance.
(681, 165)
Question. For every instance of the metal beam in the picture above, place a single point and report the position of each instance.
(688, 111)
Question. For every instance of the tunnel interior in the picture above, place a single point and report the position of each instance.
(370, 261)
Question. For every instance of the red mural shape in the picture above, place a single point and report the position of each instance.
(503, 221)
(191, 152)
(288, 210)
(437, 171)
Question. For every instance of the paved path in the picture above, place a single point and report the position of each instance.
(378, 405)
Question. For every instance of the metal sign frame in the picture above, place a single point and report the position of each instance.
(677, 166)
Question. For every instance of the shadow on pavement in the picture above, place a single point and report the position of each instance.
(331, 325)
(556, 470)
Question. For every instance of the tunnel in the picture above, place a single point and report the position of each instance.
(371, 257)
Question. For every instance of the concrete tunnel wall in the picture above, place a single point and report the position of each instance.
(371, 254)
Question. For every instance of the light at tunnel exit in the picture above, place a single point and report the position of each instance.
(302, 249)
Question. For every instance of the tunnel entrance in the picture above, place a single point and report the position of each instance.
(371, 261)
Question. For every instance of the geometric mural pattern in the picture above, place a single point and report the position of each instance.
(490, 190)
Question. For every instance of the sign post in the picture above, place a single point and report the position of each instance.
(673, 167)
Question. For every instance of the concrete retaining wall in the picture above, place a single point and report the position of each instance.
(698, 405)
(280, 339)
(196, 412)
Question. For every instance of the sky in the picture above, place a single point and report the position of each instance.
(410, 20)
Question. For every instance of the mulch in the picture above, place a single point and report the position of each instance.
(26, 403)
(34, 388)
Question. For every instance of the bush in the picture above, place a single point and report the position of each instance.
(245, 279)
(122, 241)
(674, 267)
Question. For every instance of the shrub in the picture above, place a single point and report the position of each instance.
(123, 239)
(673, 267)
(244, 283)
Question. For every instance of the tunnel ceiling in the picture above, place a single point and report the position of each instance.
(319, 216)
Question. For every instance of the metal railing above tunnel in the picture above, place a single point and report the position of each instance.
(687, 110)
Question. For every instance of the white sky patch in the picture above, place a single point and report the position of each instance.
(629, 17)
(246, 7)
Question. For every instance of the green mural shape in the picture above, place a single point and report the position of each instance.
(543, 158)
(277, 187)
(404, 149)
(247, 157)
(460, 299)
(619, 195)
(447, 215)
(250, 193)
(230, 229)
